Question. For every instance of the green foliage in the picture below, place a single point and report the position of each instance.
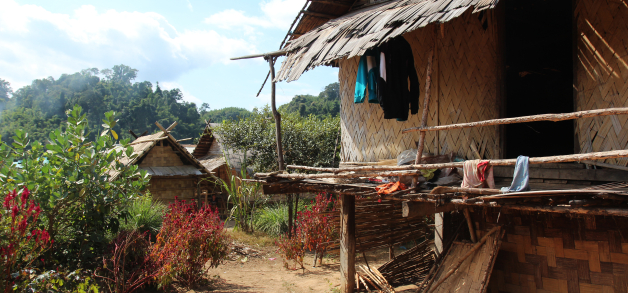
(54, 281)
(244, 197)
(273, 219)
(307, 140)
(144, 215)
(229, 113)
(40, 107)
(79, 184)
(326, 103)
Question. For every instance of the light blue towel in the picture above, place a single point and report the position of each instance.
(521, 176)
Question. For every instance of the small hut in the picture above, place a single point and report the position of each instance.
(489, 71)
(175, 172)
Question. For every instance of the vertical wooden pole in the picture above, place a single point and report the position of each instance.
(347, 243)
(467, 216)
(426, 103)
(290, 216)
(275, 113)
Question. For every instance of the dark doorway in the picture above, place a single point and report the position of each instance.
(539, 76)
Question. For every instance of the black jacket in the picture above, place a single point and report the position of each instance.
(393, 94)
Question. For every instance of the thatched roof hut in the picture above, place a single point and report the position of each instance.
(479, 61)
(175, 172)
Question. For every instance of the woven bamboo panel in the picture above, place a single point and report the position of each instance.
(602, 74)
(166, 189)
(161, 156)
(464, 89)
(544, 252)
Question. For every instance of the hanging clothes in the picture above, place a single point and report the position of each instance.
(521, 177)
(477, 174)
(396, 68)
(367, 77)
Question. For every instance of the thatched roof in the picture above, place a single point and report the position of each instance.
(211, 154)
(353, 33)
(143, 145)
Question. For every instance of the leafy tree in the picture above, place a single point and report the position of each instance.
(307, 140)
(80, 185)
(5, 91)
(229, 113)
(40, 107)
(326, 103)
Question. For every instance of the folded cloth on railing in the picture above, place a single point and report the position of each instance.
(389, 188)
(478, 174)
(521, 177)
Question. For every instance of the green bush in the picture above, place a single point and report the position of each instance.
(145, 215)
(272, 219)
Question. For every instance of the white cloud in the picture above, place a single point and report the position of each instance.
(190, 5)
(36, 43)
(277, 14)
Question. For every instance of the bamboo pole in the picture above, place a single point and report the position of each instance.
(450, 189)
(473, 250)
(523, 119)
(275, 113)
(391, 169)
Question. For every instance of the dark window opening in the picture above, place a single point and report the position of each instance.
(539, 76)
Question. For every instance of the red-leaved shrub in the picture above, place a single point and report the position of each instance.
(21, 243)
(314, 230)
(191, 241)
(128, 266)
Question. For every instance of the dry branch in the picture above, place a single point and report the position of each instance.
(522, 119)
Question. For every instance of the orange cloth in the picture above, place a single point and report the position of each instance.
(389, 188)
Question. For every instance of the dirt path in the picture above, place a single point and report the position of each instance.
(266, 273)
(262, 270)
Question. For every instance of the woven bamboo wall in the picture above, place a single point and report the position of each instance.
(166, 189)
(548, 252)
(602, 74)
(161, 156)
(464, 88)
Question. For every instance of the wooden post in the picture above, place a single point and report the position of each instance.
(347, 243)
(467, 216)
(426, 103)
(275, 113)
(290, 216)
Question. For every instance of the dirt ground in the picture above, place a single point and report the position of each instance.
(258, 267)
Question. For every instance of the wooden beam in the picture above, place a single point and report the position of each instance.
(318, 14)
(180, 140)
(276, 114)
(148, 140)
(347, 243)
(522, 119)
(566, 174)
(411, 209)
(502, 162)
(171, 126)
(426, 103)
(272, 54)
(467, 216)
(449, 189)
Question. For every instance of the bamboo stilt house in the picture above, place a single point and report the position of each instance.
(478, 62)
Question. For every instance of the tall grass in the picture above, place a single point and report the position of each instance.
(244, 197)
(145, 215)
(273, 218)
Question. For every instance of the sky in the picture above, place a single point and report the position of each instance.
(183, 44)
